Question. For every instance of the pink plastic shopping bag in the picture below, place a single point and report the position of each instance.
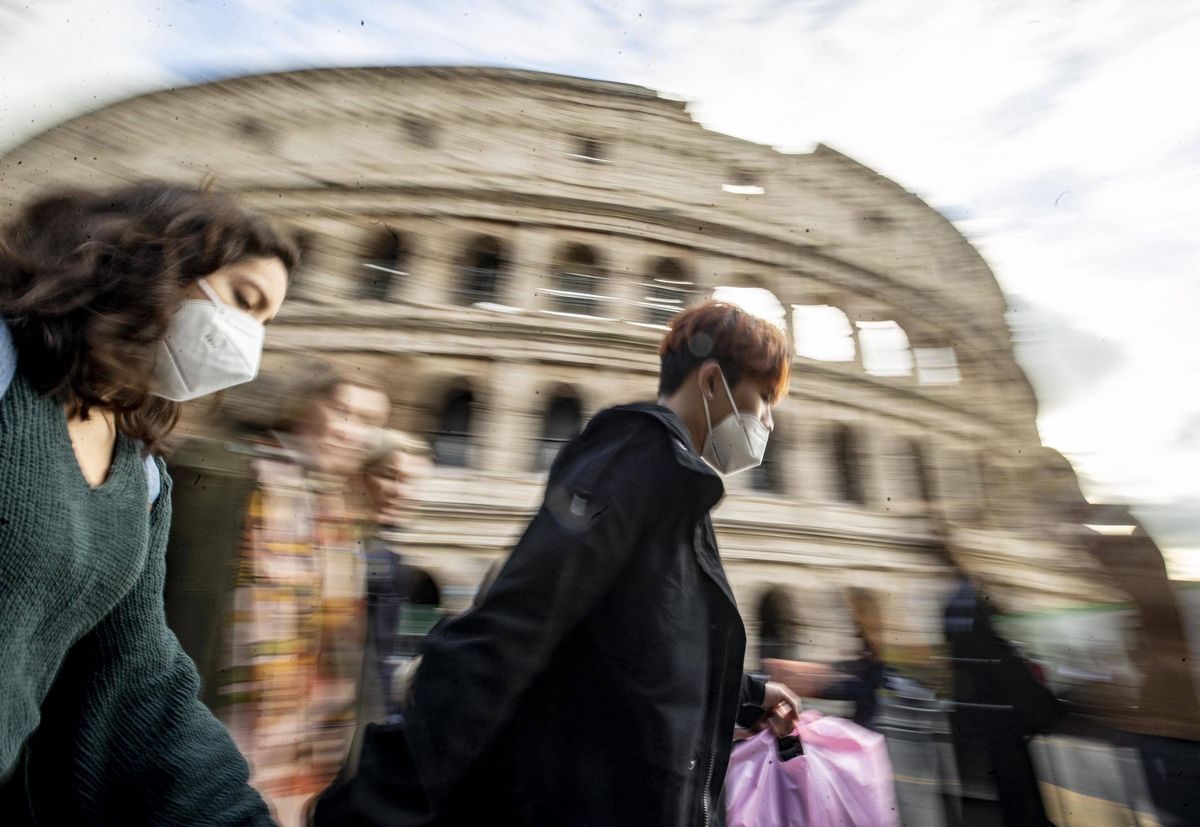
(843, 779)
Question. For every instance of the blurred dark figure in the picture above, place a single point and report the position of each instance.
(866, 673)
(1164, 727)
(265, 580)
(599, 679)
(858, 680)
(999, 704)
(394, 466)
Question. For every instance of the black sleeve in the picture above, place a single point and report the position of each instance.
(750, 698)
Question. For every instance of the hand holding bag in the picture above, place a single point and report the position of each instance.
(842, 779)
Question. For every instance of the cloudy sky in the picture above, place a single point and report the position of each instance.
(1062, 138)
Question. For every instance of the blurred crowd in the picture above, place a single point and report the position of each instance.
(296, 604)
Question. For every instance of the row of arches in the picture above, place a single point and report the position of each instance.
(456, 427)
(579, 286)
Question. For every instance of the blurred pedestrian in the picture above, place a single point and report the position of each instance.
(266, 581)
(999, 703)
(114, 306)
(857, 680)
(599, 679)
(866, 672)
(394, 467)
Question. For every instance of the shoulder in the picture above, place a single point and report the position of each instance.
(630, 456)
(8, 357)
(614, 442)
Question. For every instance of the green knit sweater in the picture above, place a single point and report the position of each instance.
(99, 721)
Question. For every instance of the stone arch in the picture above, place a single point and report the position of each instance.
(384, 263)
(761, 301)
(562, 420)
(777, 624)
(823, 333)
(483, 272)
(670, 289)
(453, 435)
(578, 280)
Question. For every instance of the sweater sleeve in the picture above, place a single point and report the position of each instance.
(124, 738)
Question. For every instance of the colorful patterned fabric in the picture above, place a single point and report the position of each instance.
(296, 637)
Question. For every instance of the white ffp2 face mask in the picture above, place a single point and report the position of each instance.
(209, 346)
(739, 441)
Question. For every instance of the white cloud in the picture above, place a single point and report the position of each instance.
(62, 57)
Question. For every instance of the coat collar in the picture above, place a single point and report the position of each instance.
(685, 452)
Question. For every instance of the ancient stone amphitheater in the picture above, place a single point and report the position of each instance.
(506, 246)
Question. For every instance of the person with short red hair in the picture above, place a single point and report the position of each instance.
(599, 680)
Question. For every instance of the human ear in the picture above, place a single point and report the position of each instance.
(707, 379)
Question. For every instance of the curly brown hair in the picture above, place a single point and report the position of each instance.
(89, 282)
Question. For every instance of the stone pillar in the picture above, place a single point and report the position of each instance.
(713, 271)
(626, 270)
(810, 478)
(434, 266)
(878, 482)
(530, 257)
(509, 419)
(333, 268)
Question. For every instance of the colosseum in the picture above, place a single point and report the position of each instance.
(507, 246)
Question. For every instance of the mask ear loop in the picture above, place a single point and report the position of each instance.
(733, 406)
(210, 293)
(708, 419)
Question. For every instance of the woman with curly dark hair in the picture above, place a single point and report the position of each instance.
(114, 307)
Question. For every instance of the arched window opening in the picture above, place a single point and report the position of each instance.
(423, 589)
(420, 131)
(561, 424)
(452, 440)
(743, 181)
(885, 349)
(578, 281)
(384, 264)
(823, 333)
(419, 611)
(590, 150)
(776, 626)
(937, 366)
(668, 292)
(484, 268)
(847, 465)
(755, 300)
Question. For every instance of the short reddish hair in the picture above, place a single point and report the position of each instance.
(744, 345)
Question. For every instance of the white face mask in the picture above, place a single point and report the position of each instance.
(209, 346)
(739, 441)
